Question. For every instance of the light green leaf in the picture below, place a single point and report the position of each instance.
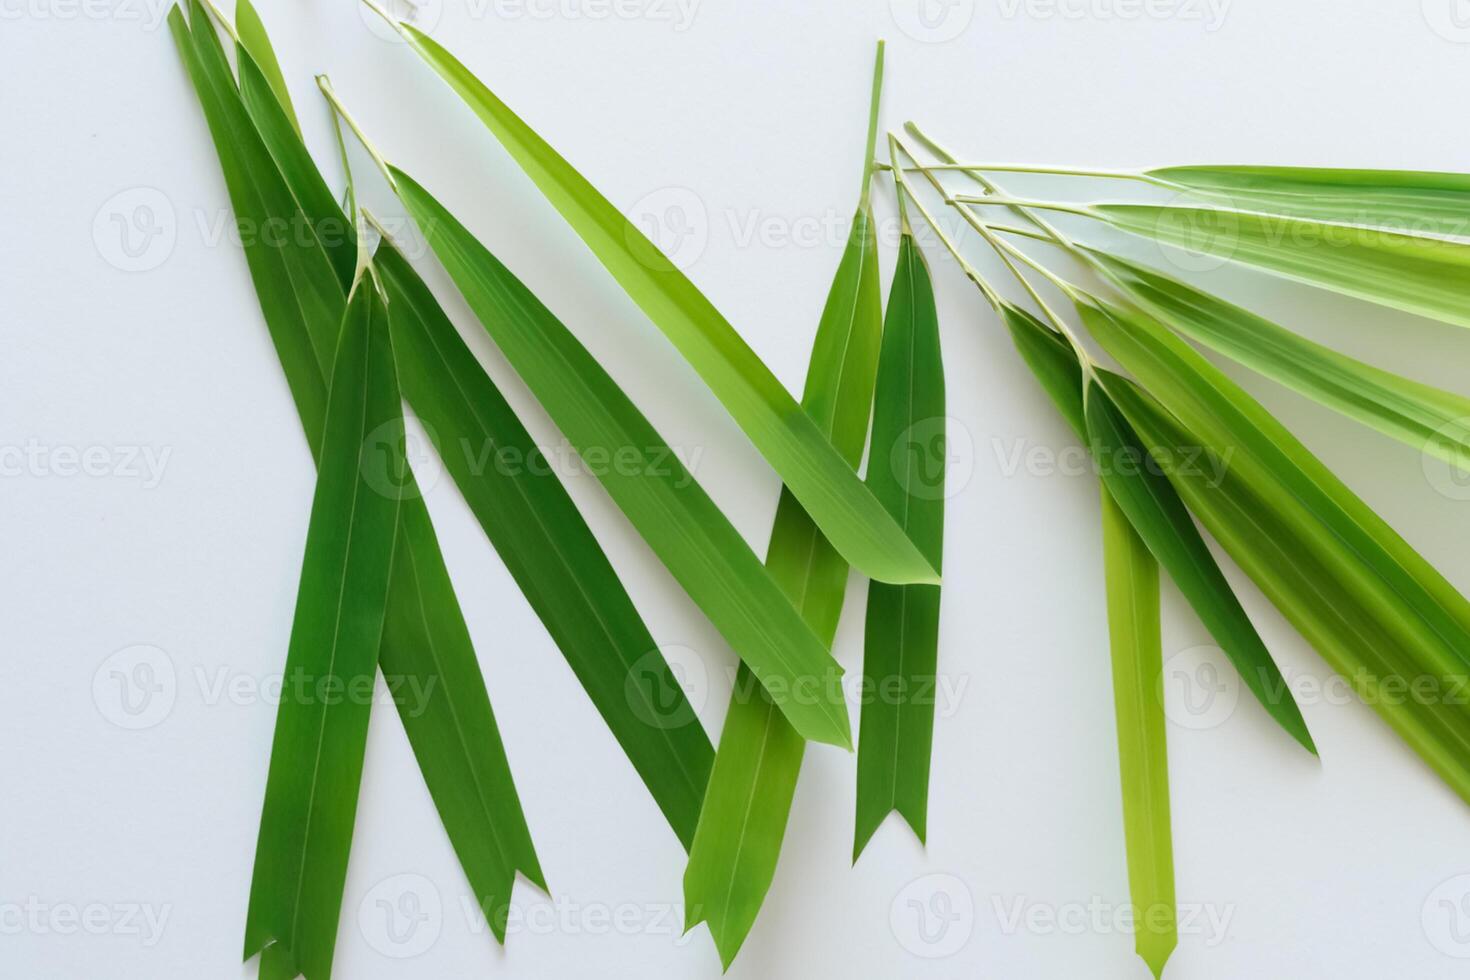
(1428, 276)
(257, 42)
(1159, 517)
(1133, 630)
(827, 487)
(1375, 609)
(901, 636)
(548, 548)
(1409, 200)
(321, 724)
(1429, 419)
(692, 537)
(748, 801)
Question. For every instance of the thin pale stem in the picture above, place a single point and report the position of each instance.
(1020, 168)
(971, 273)
(224, 21)
(902, 188)
(873, 103)
(393, 22)
(997, 201)
(325, 84)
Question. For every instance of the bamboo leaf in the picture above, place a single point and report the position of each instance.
(562, 570)
(671, 511)
(1133, 628)
(321, 724)
(1428, 276)
(1161, 520)
(1429, 419)
(255, 40)
(548, 548)
(828, 488)
(1410, 200)
(901, 637)
(1373, 607)
(426, 655)
(314, 199)
(748, 801)
(1157, 514)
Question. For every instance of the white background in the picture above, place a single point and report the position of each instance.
(748, 116)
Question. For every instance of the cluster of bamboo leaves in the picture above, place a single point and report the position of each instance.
(358, 333)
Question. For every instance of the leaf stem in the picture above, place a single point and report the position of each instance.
(224, 21)
(325, 84)
(873, 102)
(392, 21)
(971, 273)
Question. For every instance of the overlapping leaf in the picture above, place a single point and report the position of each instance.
(659, 496)
(1428, 276)
(548, 548)
(901, 638)
(321, 724)
(748, 802)
(1132, 578)
(825, 485)
(426, 654)
(1409, 200)
(1429, 419)
(1380, 614)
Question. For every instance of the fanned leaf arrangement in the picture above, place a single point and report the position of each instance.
(1178, 447)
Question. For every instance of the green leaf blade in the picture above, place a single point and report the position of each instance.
(1162, 521)
(674, 515)
(901, 637)
(549, 550)
(1409, 200)
(1427, 276)
(790, 440)
(255, 40)
(321, 725)
(1132, 578)
(1429, 419)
